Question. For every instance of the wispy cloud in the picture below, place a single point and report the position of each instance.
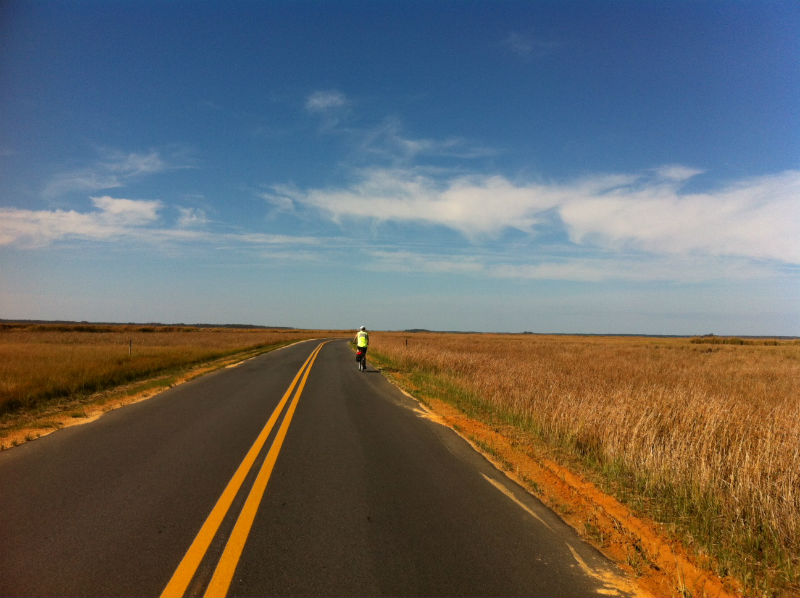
(632, 268)
(191, 217)
(279, 197)
(386, 140)
(677, 172)
(325, 101)
(472, 205)
(754, 218)
(389, 140)
(407, 261)
(81, 180)
(593, 267)
(529, 46)
(114, 170)
(330, 106)
(112, 218)
(117, 219)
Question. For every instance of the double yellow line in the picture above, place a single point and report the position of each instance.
(226, 566)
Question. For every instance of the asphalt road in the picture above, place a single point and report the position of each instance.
(349, 491)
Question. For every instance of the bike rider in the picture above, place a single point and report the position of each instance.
(362, 341)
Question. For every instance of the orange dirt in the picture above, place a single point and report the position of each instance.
(660, 565)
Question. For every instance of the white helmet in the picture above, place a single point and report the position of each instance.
(363, 328)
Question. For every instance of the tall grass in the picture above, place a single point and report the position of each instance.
(43, 363)
(708, 437)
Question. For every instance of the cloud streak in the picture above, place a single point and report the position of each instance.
(528, 46)
(324, 101)
(111, 172)
(474, 206)
(386, 139)
(116, 219)
(39, 228)
(753, 218)
(547, 266)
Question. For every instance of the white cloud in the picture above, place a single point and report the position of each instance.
(676, 172)
(112, 171)
(323, 101)
(113, 217)
(133, 164)
(116, 219)
(126, 212)
(190, 217)
(385, 140)
(81, 180)
(754, 218)
(473, 205)
(389, 140)
(280, 197)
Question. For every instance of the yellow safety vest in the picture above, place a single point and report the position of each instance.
(362, 338)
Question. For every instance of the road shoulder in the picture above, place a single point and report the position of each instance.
(660, 565)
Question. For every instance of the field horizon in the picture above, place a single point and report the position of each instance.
(695, 430)
(709, 335)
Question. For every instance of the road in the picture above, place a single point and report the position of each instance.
(290, 474)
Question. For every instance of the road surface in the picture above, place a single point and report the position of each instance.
(290, 474)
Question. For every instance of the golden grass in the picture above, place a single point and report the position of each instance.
(705, 437)
(43, 363)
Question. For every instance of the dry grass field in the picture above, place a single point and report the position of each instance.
(701, 434)
(44, 363)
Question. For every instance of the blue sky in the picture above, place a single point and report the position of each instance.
(598, 167)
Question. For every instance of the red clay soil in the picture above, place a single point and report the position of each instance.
(659, 565)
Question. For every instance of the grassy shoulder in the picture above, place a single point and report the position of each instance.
(80, 400)
(40, 364)
(666, 542)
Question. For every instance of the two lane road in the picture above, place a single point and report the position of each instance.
(290, 474)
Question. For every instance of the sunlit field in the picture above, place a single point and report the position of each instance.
(703, 434)
(46, 362)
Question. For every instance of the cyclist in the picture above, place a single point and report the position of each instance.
(362, 341)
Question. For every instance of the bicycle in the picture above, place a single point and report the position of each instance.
(361, 359)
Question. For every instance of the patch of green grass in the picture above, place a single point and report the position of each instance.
(595, 533)
(531, 484)
(488, 449)
(636, 561)
(747, 549)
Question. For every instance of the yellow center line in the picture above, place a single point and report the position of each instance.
(187, 568)
(226, 567)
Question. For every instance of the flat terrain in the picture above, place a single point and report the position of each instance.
(698, 434)
(44, 363)
(367, 496)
